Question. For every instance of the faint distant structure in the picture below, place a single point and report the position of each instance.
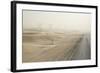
(39, 27)
(50, 33)
(48, 30)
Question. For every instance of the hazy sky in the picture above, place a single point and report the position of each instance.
(56, 21)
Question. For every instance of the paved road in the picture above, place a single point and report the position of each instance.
(83, 49)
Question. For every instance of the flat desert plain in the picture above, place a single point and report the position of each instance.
(48, 46)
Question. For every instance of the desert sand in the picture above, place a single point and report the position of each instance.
(48, 46)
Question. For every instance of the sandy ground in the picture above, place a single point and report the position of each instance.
(41, 46)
